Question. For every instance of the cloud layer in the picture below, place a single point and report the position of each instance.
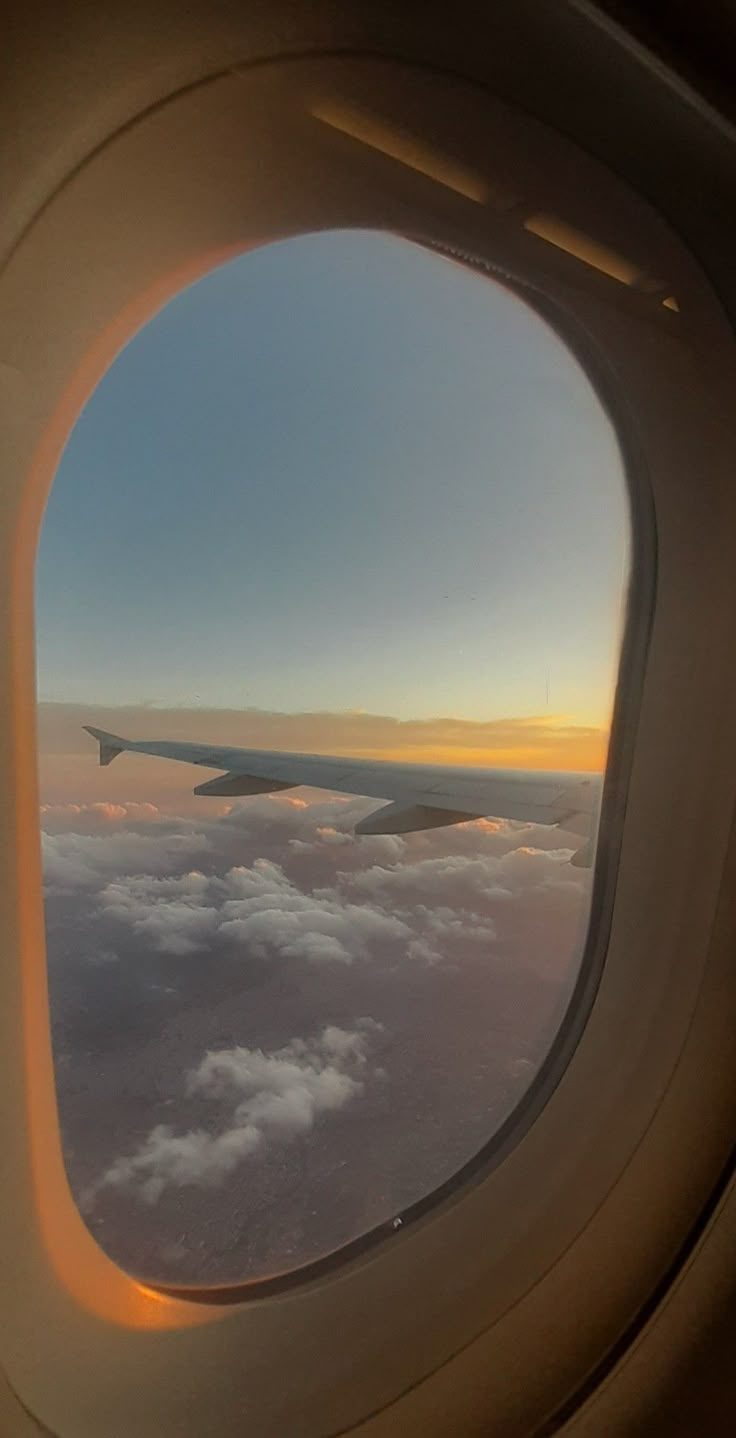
(226, 1107)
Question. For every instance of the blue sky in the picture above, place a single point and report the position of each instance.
(338, 473)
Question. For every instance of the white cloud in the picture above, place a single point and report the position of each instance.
(83, 818)
(79, 861)
(453, 882)
(167, 1159)
(263, 877)
(306, 890)
(297, 925)
(285, 1089)
(429, 880)
(326, 834)
(269, 916)
(276, 1095)
(424, 951)
(172, 914)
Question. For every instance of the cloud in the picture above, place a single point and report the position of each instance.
(166, 1158)
(79, 861)
(325, 834)
(322, 895)
(273, 920)
(172, 914)
(272, 915)
(461, 880)
(524, 905)
(257, 908)
(277, 1095)
(264, 877)
(84, 818)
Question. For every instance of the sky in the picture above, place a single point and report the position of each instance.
(339, 475)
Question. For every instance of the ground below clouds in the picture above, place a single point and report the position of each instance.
(271, 1036)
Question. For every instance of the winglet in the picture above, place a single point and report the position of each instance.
(110, 744)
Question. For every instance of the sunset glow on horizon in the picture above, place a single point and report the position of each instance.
(70, 772)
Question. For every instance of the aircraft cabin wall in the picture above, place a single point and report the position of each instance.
(610, 1308)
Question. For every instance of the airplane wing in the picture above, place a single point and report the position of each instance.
(420, 796)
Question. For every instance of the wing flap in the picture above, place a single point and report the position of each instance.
(409, 818)
(241, 784)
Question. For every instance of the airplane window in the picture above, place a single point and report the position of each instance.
(341, 540)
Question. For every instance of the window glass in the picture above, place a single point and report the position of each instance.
(342, 497)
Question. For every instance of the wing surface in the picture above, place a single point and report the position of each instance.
(420, 796)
